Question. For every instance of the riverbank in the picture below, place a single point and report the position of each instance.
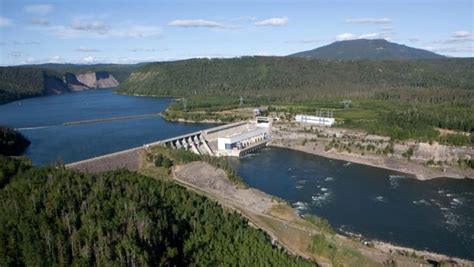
(295, 234)
(357, 147)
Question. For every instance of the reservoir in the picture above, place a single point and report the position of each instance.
(71, 127)
(435, 215)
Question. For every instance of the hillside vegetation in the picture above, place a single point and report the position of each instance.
(51, 216)
(295, 79)
(12, 142)
(23, 82)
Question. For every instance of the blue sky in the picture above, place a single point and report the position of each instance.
(105, 31)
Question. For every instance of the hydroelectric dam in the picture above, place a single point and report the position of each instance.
(234, 139)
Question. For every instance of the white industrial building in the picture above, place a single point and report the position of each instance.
(323, 121)
(242, 140)
(246, 138)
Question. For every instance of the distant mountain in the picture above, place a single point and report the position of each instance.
(378, 49)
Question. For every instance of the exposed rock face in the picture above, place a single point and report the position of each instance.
(89, 80)
(99, 79)
(105, 80)
(73, 84)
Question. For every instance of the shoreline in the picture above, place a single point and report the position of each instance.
(260, 203)
(181, 120)
(416, 170)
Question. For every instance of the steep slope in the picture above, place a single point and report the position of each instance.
(22, 82)
(378, 49)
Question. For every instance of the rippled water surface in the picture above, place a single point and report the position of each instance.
(435, 215)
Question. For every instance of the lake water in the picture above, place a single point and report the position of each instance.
(42, 120)
(435, 215)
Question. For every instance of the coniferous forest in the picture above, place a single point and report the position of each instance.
(12, 142)
(52, 216)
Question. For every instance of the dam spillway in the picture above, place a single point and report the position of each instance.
(240, 138)
(234, 139)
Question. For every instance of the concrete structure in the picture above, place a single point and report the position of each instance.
(241, 140)
(264, 122)
(235, 139)
(323, 121)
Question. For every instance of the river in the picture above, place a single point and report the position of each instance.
(45, 121)
(435, 215)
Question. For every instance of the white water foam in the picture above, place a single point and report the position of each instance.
(300, 206)
(380, 199)
(421, 202)
(394, 180)
(320, 199)
(329, 179)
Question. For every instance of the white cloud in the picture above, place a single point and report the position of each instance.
(457, 37)
(414, 39)
(38, 9)
(56, 59)
(346, 36)
(82, 28)
(91, 26)
(5, 21)
(39, 21)
(89, 59)
(85, 49)
(369, 21)
(273, 22)
(194, 23)
(462, 34)
(350, 36)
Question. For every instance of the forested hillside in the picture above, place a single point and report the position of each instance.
(22, 82)
(296, 79)
(12, 142)
(51, 216)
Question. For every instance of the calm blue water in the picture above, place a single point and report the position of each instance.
(41, 119)
(435, 215)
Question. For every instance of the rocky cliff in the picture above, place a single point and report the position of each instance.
(90, 80)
